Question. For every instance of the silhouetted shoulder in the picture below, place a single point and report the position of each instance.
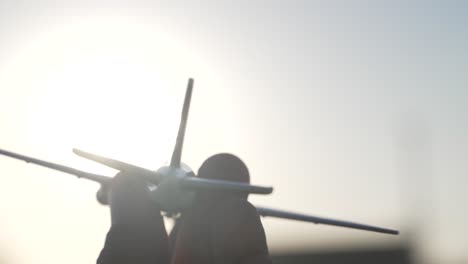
(238, 234)
(238, 206)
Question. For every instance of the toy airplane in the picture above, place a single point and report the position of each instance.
(177, 184)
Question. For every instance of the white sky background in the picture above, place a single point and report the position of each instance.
(352, 111)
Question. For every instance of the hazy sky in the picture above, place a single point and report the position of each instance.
(350, 110)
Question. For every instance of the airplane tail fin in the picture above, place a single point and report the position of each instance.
(177, 154)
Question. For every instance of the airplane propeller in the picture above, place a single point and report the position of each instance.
(173, 187)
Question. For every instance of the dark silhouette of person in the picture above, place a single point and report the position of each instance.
(219, 227)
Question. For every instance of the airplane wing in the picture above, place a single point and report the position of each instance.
(265, 212)
(80, 174)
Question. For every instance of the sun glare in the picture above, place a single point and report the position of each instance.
(111, 86)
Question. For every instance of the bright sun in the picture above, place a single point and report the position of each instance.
(109, 86)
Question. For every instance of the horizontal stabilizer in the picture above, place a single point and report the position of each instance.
(320, 220)
(80, 174)
(197, 184)
(118, 165)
